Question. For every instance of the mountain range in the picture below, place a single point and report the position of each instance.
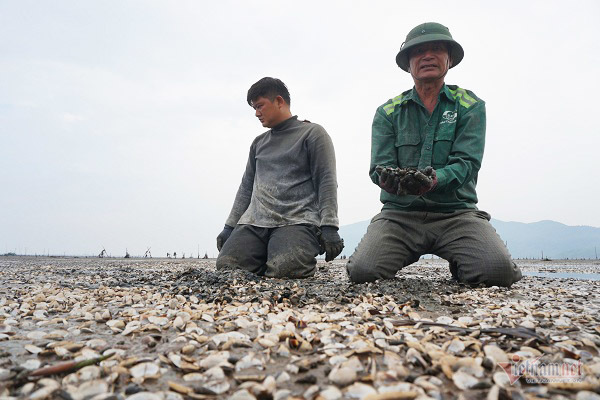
(543, 239)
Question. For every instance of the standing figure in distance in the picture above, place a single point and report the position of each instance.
(426, 151)
(285, 210)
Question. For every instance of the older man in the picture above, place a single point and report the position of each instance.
(426, 151)
(285, 211)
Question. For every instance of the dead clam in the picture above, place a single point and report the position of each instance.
(251, 360)
(342, 375)
(87, 373)
(359, 390)
(143, 371)
(46, 388)
(87, 389)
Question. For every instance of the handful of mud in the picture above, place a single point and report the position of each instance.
(403, 181)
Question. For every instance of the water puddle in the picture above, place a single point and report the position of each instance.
(565, 275)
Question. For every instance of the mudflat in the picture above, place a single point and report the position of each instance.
(177, 328)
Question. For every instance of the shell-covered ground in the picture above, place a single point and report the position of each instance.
(177, 328)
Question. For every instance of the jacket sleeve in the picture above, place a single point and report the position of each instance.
(323, 173)
(466, 155)
(244, 193)
(383, 144)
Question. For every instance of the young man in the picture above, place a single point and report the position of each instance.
(285, 210)
(439, 130)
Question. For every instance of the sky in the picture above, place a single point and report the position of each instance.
(124, 124)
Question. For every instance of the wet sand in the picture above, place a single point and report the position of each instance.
(180, 329)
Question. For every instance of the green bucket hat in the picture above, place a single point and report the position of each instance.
(429, 32)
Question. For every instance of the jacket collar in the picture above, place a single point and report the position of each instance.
(414, 96)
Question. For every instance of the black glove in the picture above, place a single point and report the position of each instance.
(331, 242)
(223, 236)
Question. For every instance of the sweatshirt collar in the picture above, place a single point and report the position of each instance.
(285, 124)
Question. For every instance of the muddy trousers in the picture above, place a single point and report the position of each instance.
(466, 239)
(284, 252)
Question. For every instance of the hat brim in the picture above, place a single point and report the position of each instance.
(456, 51)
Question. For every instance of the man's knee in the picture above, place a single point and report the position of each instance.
(370, 261)
(292, 251)
(359, 272)
(227, 261)
(243, 250)
(235, 258)
(361, 269)
(505, 273)
(492, 272)
(294, 264)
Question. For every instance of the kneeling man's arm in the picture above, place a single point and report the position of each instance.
(465, 158)
(383, 145)
(244, 193)
(323, 172)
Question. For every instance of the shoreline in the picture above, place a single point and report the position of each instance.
(322, 336)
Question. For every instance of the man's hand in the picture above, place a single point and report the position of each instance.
(403, 181)
(223, 236)
(331, 243)
(427, 179)
(388, 180)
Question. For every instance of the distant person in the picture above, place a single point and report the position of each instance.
(437, 130)
(285, 210)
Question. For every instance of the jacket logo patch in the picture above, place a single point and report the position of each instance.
(449, 117)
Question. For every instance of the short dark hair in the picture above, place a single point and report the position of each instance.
(269, 88)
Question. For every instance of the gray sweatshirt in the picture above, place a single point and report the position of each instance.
(290, 179)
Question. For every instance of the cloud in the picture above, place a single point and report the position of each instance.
(72, 118)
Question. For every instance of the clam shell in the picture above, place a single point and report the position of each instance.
(342, 376)
(32, 349)
(359, 391)
(330, 393)
(144, 396)
(495, 353)
(88, 390)
(464, 381)
(31, 364)
(145, 370)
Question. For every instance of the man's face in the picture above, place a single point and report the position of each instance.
(429, 61)
(268, 112)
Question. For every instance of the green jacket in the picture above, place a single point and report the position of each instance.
(451, 140)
